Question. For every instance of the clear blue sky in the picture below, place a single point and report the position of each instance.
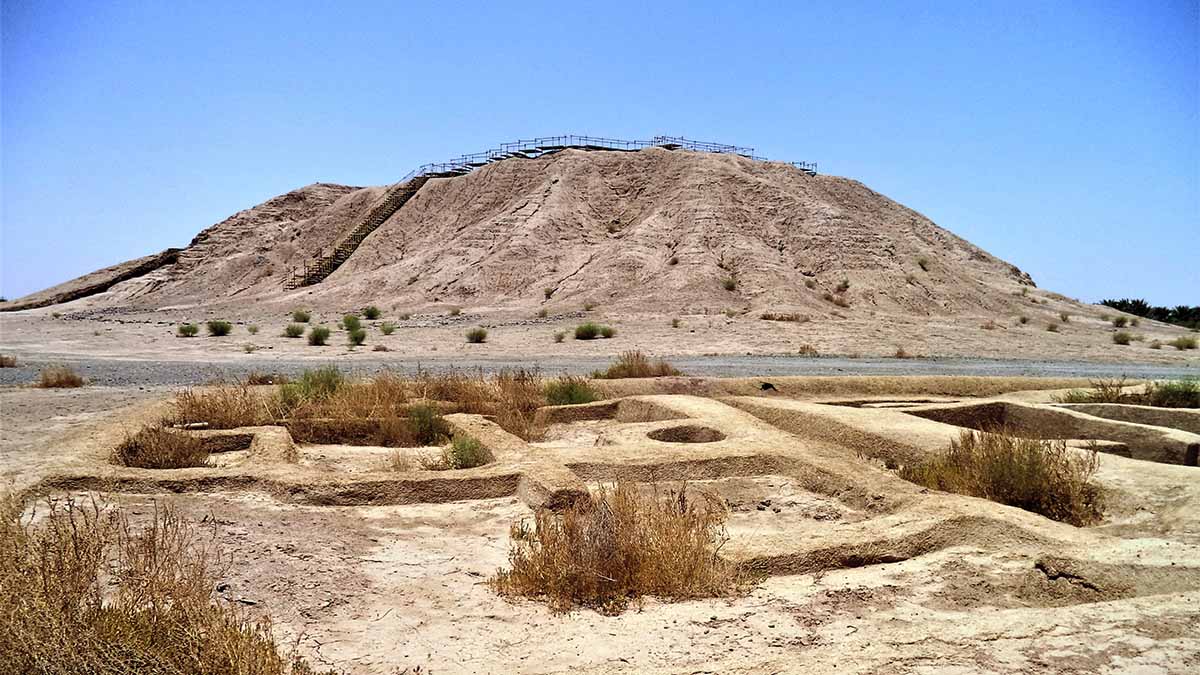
(1063, 137)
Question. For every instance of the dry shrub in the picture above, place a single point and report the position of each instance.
(1184, 342)
(1122, 338)
(158, 448)
(1041, 476)
(619, 546)
(84, 592)
(792, 317)
(59, 377)
(8, 361)
(636, 364)
(518, 396)
(257, 378)
(807, 350)
(902, 353)
(222, 407)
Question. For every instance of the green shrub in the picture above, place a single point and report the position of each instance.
(300, 316)
(607, 332)
(570, 390)
(371, 312)
(587, 331)
(465, 452)
(387, 328)
(477, 335)
(729, 284)
(252, 329)
(1183, 393)
(351, 322)
(188, 330)
(293, 330)
(1122, 338)
(1041, 476)
(218, 328)
(427, 425)
(1120, 322)
(1184, 342)
(317, 335)
(356, 337)
(312, 386)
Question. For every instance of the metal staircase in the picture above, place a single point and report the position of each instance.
(323, 265)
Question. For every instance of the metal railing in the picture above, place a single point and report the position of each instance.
(536, 147)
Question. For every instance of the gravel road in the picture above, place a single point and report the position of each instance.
(119, 372)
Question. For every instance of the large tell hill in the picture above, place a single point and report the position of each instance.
(656, 230)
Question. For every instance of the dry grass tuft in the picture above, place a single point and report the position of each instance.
(222, 407)
(1041, 476)
(85, 592)
(620, 546)
(636, 364)
(159, 448)
(59, 377)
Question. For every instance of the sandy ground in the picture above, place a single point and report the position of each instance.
(376, 587)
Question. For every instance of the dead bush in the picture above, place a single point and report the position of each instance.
(636, 364)
(158, 448)
(85, 592)
(620, 546)
(1041, 476)
(59, 377)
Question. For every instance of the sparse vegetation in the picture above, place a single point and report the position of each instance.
(1180, 315)
(1064, 317)
(589, 306)
(252, 329)
(1041, 476)
(636, 364)
(1122, 338)
(843, 286)
(543, 313)
(8, 361)
(318, 335)
(455, 311)
(218, 328)
(839, 300)
(570, 390)
(729, 284)
(547, 292)
(607, 332)
(1135, 322)
(223, 407)
(249, 348)
(477, 335)
(158, 448)
(1052, 328)
(59, 377)
(923, 263)
(620, 546)
(559, 336)
(187, 330)
(1183, 393)
(356, 337)
(371, 312)
(807, 350)
(351, 322)
(85, 591)
(387, 328)
(293, 330)
(1120, 321)
(300, 316)
(675, 322)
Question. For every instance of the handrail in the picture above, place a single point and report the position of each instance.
(536, 147)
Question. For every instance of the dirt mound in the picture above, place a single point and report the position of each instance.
(654, 230)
